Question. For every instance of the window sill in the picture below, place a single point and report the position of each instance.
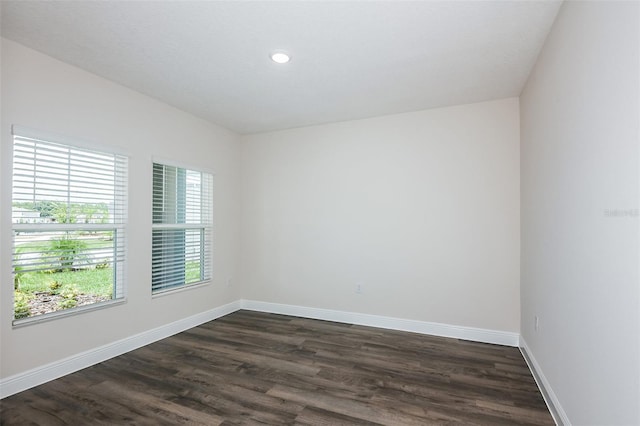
(182, 288)
(24, 322)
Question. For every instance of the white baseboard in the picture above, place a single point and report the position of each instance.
(37, 376)
(431, 328)
(557, 412)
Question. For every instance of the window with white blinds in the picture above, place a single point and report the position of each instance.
(68, 220)
(181, 240)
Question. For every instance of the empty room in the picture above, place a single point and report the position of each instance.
(320, 212)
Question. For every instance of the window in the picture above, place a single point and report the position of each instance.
(68, 220)
(181, 246)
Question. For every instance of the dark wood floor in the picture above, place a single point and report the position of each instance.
(256, 368)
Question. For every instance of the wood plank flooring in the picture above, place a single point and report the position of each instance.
(254, 368)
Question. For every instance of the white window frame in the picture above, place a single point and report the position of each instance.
(116, 220)
(177, 212)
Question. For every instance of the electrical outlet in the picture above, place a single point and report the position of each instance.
(229, 281)
(359, 288)
(536, 322)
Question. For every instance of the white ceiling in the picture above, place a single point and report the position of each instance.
(350, 59)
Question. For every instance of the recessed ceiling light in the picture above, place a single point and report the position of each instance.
(280, 57)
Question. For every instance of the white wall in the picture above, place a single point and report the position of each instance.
(41, 93)
(422, 209)
(580, 163)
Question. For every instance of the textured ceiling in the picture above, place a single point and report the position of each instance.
(350, 59)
